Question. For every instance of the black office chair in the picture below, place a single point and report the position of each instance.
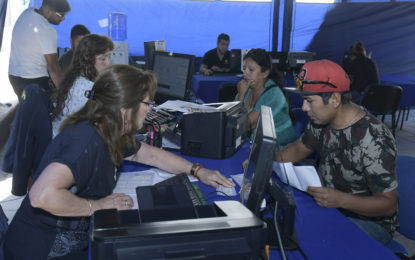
(227, 92)
(383, 100)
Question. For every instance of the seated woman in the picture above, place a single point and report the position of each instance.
(91, 56)
(362, 70)
(262, 86)
(78, 171)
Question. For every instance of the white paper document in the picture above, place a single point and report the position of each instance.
(238, 178)
(128, 181)
(183, 106)
(225, 191)
(299, 177)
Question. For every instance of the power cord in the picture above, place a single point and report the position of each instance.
(277, 230)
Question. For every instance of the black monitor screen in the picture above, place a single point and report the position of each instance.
(259, 168)
(296, 60)
(174, 74)
(279, 59)
(257, 182)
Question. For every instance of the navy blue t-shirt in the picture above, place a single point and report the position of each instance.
(42, 234)
(211, 59)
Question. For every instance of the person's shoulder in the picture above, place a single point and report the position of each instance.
(369, 125)
(81, 132)
(272, 88)
(75, 143)
(211, 52)
(81, 80)
(66, 56)
(29, 12)
(26, 18)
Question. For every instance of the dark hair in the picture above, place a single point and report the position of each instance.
(346, 97)
(358, 50)
(264, 60)
(79, 30)
(83, 64)
(118, 86)
(61, 6)
(223, 36)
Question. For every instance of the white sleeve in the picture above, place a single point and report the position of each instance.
(48, 40)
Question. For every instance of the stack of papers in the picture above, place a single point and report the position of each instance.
(184, 107)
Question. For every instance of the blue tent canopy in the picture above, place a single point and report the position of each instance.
(192, 26)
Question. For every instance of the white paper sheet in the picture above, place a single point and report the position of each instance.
(183, 106)
(299, 177)
(128, 181)
(238, 178)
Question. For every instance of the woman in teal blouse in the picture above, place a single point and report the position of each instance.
(262, 86)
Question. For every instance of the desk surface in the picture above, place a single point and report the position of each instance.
(322, 232)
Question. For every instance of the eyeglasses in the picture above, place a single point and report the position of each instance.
(60, 15)
(150, 104)
(300, 83)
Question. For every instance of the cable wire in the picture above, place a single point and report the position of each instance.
(275, 217)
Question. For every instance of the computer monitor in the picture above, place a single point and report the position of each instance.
(259, 169)
(279, 60)
(257, 183)
(149, 48)
(174, 75)
(296, 59)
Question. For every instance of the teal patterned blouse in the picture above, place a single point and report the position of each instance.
(273, 97)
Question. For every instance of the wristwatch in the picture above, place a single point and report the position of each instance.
(194, 168)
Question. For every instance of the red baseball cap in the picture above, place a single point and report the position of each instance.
(322, 76)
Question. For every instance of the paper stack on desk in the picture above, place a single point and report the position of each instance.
(184, 106)
(128, 181)
(299, 177)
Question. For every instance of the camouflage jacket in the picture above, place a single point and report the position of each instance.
(360, 160)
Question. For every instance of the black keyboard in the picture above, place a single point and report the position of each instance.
(195, 193)
(160, 117)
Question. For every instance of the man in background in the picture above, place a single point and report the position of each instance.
(77, 33)
(33, 55)
(357, 152)
(217, 59)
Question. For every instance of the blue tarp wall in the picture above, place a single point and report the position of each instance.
(187, 26)
(386, 29)
(191, 26)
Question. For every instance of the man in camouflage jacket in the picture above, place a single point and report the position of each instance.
(357, 152)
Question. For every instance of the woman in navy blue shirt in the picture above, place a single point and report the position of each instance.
(77, 173)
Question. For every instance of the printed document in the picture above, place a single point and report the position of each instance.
(299, 177)
(128, 181)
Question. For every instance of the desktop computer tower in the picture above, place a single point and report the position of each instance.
(149, 48)
(216, 135)
(279, 60)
